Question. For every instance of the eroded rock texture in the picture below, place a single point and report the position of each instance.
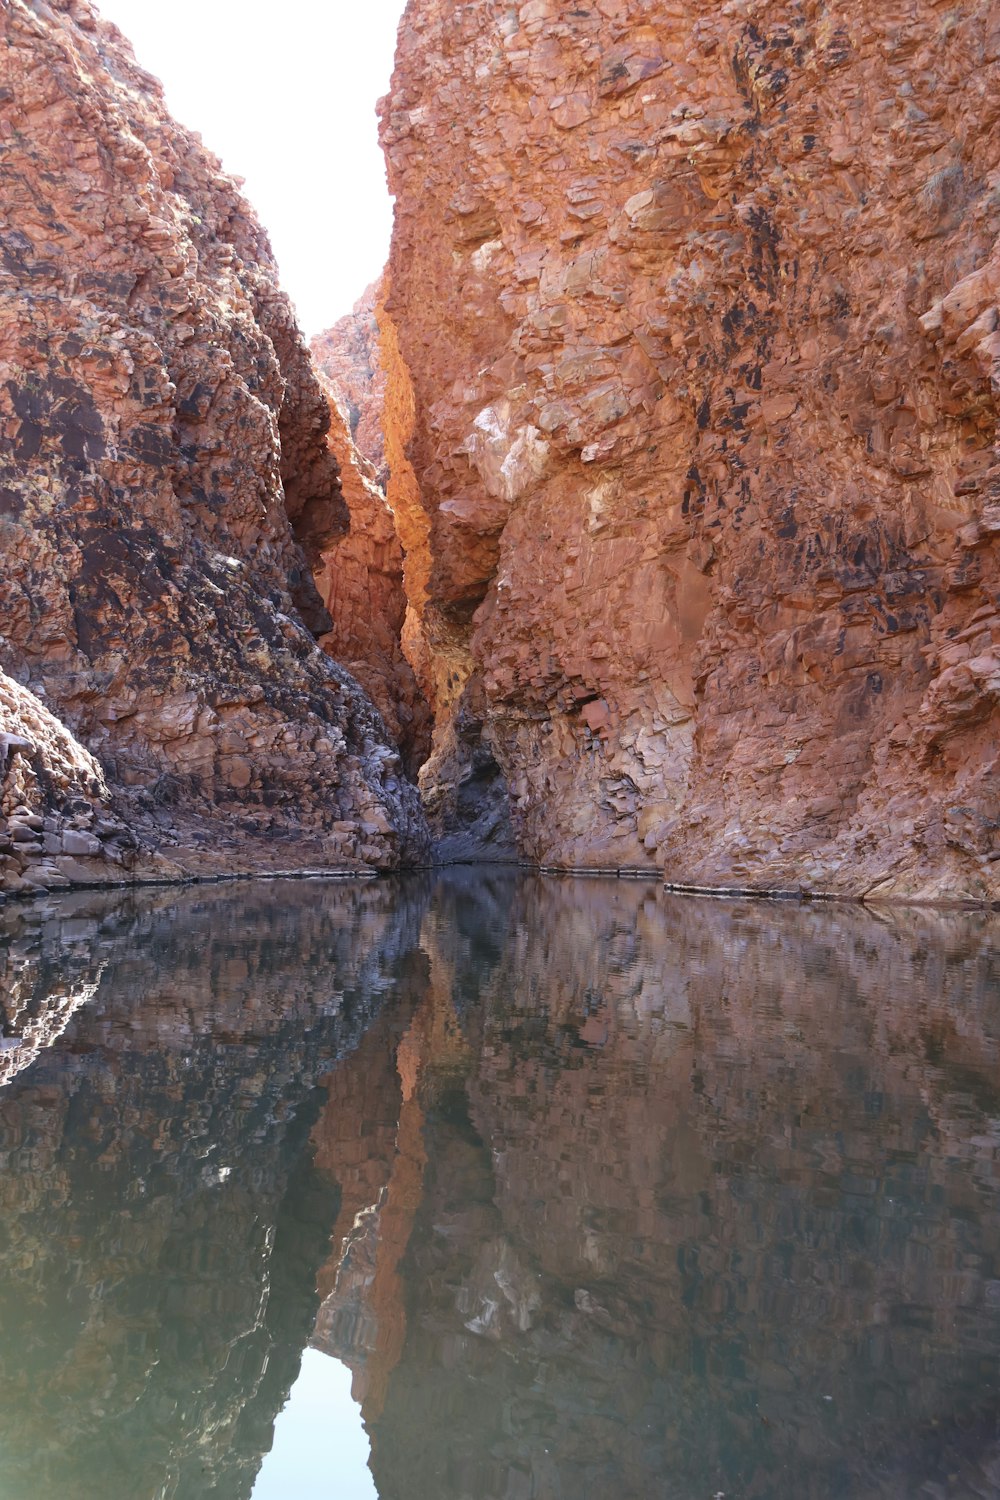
(347, 356)
(56, 824)
(360, 579)
(166, 484)
(698, 303)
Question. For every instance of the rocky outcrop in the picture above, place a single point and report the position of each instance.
(56, 825)
(698, 307)
(167, 489)
(348, 357)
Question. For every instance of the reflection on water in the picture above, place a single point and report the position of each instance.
(320, 1449)
(599, 1192)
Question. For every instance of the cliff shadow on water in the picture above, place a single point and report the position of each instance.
(598, 1191)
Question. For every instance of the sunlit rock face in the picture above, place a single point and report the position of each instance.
(698, 304)
(165, 1216)
(348, 357)
(166, 485)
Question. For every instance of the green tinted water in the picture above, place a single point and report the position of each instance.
(598, 1193)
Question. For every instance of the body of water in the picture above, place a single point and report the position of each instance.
(481, 1185)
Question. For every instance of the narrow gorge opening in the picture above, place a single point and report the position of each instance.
(640, 519)
(647, 496)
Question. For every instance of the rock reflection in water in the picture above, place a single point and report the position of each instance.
(689, 1198)
(162, 1216)
(600, 1193)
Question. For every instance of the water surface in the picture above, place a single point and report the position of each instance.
(597, 1193)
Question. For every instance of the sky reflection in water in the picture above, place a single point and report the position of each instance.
(320, 1450)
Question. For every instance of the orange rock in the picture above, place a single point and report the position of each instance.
(360, 579)
(347, 356)
(698, 308)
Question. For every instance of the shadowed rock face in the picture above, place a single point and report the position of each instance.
(699, 308)
(166, 484)
(56, 824)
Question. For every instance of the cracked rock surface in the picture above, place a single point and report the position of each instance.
(698, 309)
(166, 487)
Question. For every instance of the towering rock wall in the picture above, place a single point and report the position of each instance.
(166, 488)
(698, 304)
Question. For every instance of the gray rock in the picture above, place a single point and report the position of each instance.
(22, 834)
(76, 841)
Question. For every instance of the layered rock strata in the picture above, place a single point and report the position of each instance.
(698, 306)
(167, 489)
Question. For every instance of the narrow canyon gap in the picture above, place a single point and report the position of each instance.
(641, 517)
(668, 437)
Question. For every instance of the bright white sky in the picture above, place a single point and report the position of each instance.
(285, 94)
(320, 1449)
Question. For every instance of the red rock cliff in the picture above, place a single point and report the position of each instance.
(166, 485)
(698, 304)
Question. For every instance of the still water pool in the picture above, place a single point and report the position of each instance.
(487, 1186)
